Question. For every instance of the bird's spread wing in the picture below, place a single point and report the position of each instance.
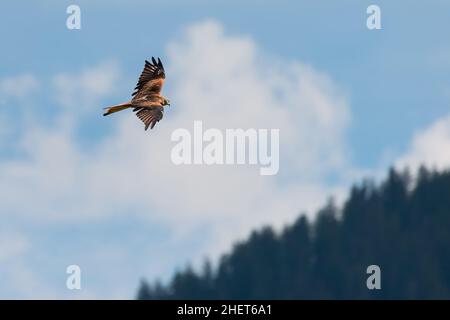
(151, 79)
(150, 116)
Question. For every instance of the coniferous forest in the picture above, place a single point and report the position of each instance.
(402, 225)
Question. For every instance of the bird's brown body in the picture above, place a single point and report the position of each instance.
(147, 101)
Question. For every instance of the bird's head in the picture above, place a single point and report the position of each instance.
(166, 102)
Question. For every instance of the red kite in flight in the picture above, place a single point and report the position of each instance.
(147, 101)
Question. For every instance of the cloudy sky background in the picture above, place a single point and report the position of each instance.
(78, 188)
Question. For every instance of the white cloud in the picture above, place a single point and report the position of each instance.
(16, 274)
(83, 91)
(12, 245)
(18, 86)
(16, 97)
(429, 147)
(226, 81)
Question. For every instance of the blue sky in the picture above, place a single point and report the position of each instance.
(386, 91)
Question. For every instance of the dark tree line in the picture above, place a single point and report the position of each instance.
(403, 226)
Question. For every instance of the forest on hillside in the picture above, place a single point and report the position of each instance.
(402, 225)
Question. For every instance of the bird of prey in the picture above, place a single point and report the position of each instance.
(147, 101)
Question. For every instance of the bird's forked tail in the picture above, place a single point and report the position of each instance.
(119, 107)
